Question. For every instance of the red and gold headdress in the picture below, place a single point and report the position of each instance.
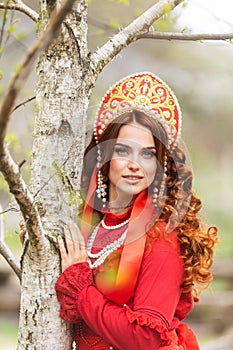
(144, 92)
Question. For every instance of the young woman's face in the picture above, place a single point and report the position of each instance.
(133, 164)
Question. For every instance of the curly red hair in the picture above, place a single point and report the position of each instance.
(180, 211)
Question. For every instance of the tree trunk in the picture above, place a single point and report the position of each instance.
(66, 74)
(61, 105)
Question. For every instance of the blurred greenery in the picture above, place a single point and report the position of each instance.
(8, 334)
(224, 222)
(13, 242)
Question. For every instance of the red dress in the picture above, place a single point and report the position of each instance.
(150, 319)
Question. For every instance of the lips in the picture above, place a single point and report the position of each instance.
(132, 179)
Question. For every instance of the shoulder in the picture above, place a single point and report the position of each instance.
(159, 238)
(162, 248)
(162, 259)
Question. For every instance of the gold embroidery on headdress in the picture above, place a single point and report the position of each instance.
(144, 92)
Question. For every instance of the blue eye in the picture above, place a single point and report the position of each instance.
(147, 154)
(121, 151)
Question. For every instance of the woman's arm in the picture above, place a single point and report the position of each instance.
(156, 297)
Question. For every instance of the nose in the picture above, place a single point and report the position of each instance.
(133, 165)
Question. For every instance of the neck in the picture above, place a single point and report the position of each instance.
(118, 211)
(118, 207)
(119, 201)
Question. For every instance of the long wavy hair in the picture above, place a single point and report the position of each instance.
(178, 207)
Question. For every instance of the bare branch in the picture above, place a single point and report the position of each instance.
(6, 252)
(23, 70)
(9, 209)
(130, 33)
(169, 35)
(8, 167)
(24, 103)
(20, 6)
(24, 198)
(9, 257)
(3, 26)
(184, 36)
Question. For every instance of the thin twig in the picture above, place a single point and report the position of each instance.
(21, 7)
(185, 36)
(6, 252)
(9, 257)
(16, 210)
(10, 24)
(3, 26)
(24, 103)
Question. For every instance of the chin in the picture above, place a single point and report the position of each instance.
(132, 191)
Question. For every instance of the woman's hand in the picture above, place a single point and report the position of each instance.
(72, 251)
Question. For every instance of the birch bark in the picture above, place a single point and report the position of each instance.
(61, 104)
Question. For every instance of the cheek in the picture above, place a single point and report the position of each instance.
(150, 172)
(116, 166)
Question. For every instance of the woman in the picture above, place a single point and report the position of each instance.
(147, 256)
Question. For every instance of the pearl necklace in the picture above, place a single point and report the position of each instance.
(114, 227)
(106, 251)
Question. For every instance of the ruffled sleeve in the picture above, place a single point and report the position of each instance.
(178, 338)
(143, 319)
(68, 287)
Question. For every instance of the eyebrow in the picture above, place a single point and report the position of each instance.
(127, 146)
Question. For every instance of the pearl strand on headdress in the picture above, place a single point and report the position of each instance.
(106, 251)
(158, 193)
